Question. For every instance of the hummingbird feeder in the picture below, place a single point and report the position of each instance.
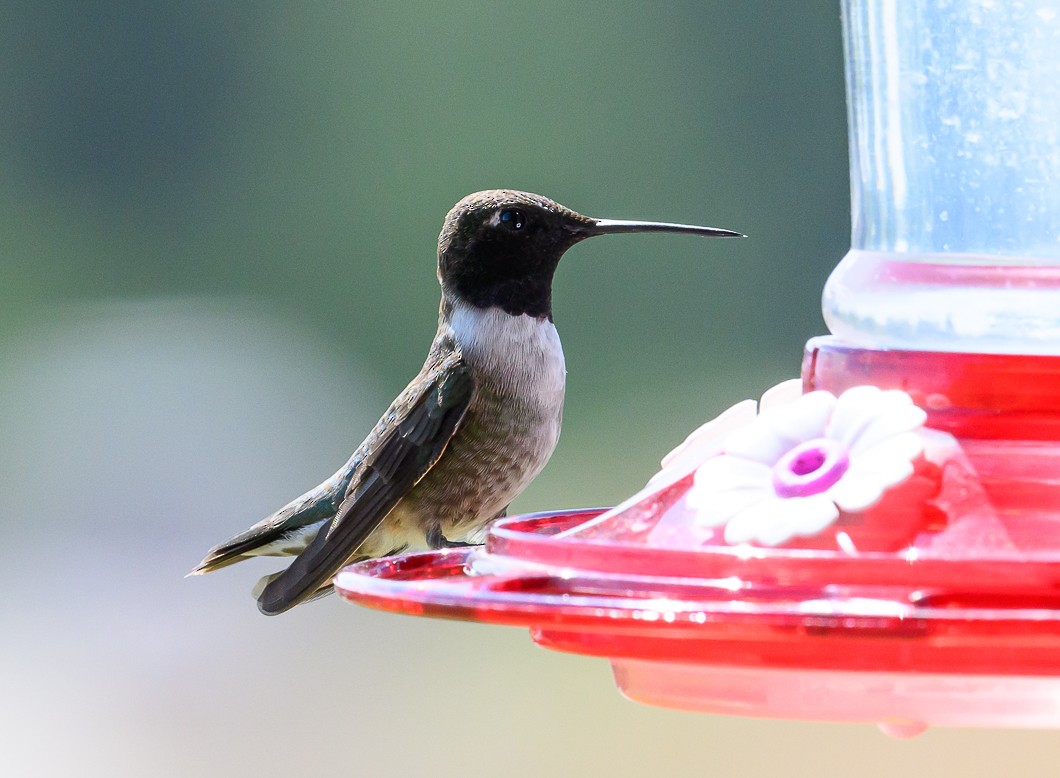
(879, 542)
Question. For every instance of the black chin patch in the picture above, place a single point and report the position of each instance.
(518, 297)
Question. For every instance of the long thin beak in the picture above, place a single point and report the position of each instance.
(612, 226)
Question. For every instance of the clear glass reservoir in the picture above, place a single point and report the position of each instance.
(954, 109)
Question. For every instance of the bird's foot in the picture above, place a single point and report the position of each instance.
(436, 540)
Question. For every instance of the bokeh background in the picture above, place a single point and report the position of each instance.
(217, 231)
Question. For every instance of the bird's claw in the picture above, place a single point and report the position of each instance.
(436, 540)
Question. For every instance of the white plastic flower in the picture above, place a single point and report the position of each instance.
(791, 469)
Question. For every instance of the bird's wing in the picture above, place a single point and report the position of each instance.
(411, 438)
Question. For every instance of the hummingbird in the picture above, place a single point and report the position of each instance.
(471, 430)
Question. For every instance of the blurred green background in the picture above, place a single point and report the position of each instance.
(217, 250)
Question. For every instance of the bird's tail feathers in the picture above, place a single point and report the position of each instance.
(285, 533)
(235, 550)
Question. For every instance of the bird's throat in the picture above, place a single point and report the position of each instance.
(518, 351)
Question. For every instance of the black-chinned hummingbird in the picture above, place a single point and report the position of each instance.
(471, 430)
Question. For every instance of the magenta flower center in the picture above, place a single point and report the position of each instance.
(810, 468)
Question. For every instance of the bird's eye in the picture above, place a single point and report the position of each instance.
(513, 219)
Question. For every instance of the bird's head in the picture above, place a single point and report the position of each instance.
(501, 247)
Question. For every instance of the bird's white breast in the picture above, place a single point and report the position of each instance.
(519, 352)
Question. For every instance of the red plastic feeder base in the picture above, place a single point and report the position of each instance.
(959, 627)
